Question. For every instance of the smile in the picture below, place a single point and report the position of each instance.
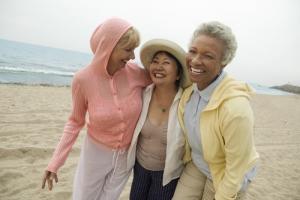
(158, 75)
(196, 71)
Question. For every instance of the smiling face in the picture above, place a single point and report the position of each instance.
(119, 57)
(204, 60)
(163, 69)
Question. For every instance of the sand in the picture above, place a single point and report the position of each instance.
(32, 120)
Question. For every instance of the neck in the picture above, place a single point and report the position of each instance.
(165, 91)
(202, 87)
(163, 97)
(111, 70)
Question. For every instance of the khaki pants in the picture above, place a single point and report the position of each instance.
(194, 185)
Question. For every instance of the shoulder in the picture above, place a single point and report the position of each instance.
(236, 107)
(131, 66)
(138, 74)
(81, 78)
(187, 93)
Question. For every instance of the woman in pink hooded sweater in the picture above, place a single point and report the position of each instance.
(109, 89)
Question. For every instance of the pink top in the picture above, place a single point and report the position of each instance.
(113, 102)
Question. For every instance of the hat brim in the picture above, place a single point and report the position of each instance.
(150, 48)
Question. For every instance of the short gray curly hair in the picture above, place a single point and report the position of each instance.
(221, 32)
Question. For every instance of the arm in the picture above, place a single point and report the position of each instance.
(237, 131)
(71, 130)
(181, 107)
(144, 76)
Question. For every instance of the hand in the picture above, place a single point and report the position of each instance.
(49, 176)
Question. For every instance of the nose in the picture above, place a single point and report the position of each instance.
(196, 60)
(159, 66)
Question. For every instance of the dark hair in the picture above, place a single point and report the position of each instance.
(178, 65)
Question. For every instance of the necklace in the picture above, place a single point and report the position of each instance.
(163, 109)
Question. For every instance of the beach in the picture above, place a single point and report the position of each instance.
(32, 120)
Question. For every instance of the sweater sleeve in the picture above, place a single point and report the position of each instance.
(180, 112)
(144, 76)
(72, 128)
(237, 130)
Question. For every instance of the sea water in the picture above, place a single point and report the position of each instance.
(33, 64)
(23, 63)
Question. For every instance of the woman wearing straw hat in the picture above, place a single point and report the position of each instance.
(109, 89)
(217, 119)
(157, 146)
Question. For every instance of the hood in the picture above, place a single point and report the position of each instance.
(103, 41)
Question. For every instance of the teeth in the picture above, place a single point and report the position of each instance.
(158, 75)
(197, 71)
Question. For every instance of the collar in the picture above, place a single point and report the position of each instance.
(207, 92)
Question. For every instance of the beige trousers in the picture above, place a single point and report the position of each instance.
(194, 185)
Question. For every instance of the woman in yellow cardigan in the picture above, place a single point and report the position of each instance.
(217, 120)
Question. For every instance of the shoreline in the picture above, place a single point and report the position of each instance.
(280, 92)
(35, 85)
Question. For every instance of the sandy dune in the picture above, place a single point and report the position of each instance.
(32, 119)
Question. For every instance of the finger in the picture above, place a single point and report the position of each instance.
(44, 180)
(49, 183)
(43, 183)
(56, 179)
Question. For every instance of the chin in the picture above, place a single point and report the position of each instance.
(157, 83)
(194, 79)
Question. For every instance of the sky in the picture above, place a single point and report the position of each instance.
(267, 31)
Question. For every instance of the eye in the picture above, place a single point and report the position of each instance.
(154, 61)
(192, 51)
(208, 56)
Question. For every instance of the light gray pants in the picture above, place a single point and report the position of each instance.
(101, 173)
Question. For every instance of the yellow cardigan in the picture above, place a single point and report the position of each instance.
(226, 134)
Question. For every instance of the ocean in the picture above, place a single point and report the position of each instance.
(22, 63)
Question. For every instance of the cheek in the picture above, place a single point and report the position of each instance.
(188, 60)
(172, 71)
(151, 68)
(214, 71)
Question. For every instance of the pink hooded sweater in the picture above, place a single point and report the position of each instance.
(113, 103)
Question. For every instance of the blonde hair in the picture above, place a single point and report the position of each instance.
(131, 37)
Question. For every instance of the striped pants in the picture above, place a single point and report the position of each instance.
(147, 185)
(101, 173)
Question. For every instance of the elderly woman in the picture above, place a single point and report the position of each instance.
(157, 146)
(217, 120)
(109, 90)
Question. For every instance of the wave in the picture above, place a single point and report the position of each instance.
(34, 84)
(36, 71)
